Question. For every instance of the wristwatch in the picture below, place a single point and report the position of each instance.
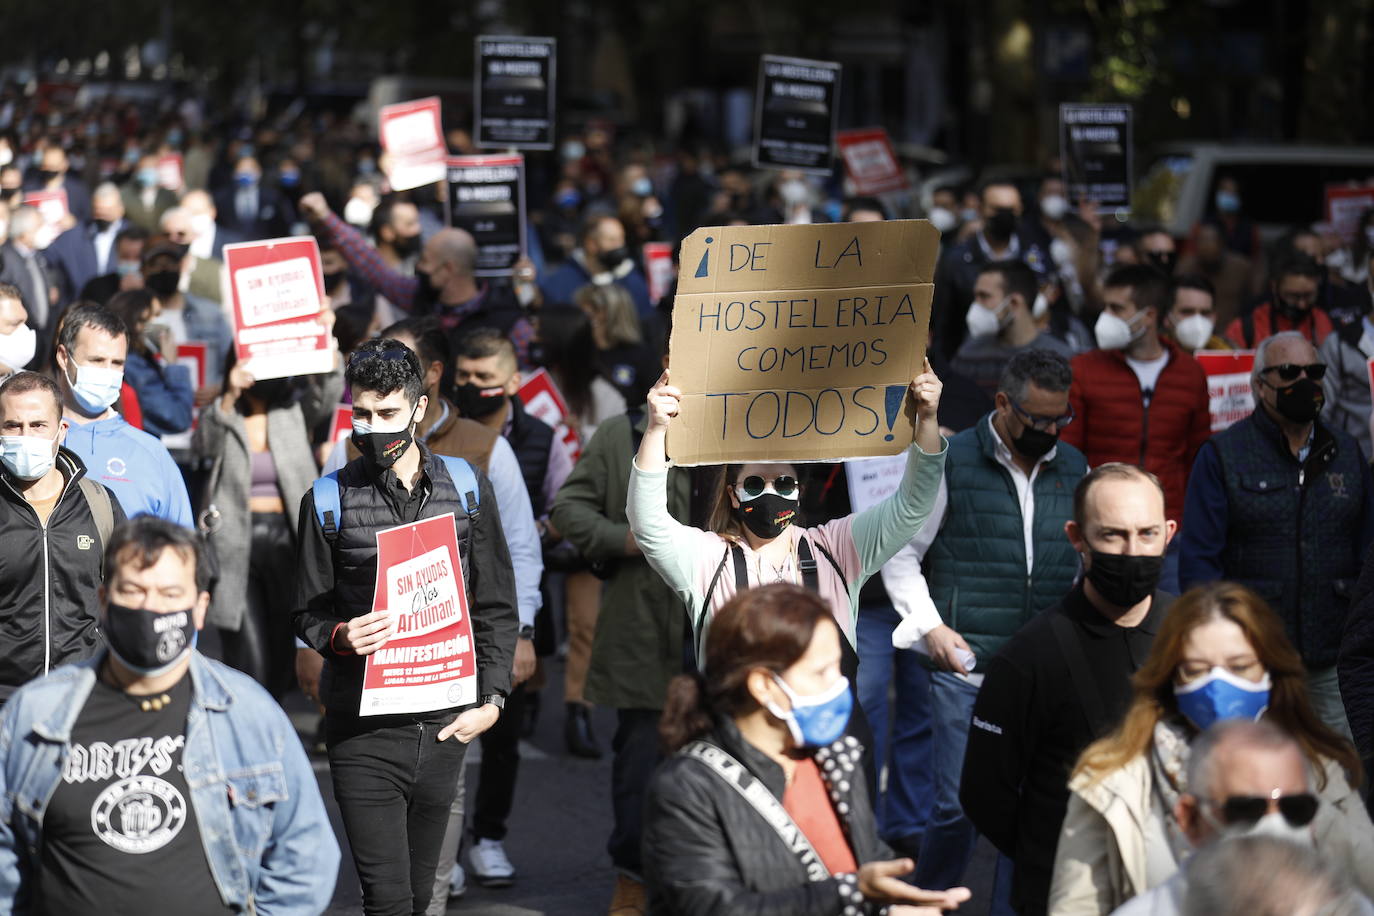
(527, 631)
(495, 699)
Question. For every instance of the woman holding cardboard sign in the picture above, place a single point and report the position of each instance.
(753, 540)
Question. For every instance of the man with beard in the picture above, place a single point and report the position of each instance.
(600, 259)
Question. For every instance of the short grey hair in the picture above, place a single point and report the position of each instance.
(1047, 369)
(105, 189)
(23, 220)
(1262, 352)
(170, 214)
(1251, 735)
(1267, 876)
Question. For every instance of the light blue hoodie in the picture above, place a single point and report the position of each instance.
(135, 466)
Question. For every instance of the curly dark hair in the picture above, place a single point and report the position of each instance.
(384, 365)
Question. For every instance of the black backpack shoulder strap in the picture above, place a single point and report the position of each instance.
(810, 572)
(711, 589)
(1072, 649)
(741, 568)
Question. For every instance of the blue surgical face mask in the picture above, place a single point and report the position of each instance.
(817, 720)
(642, 187)
(96, 387)
(1228, 201)
(1219, 695)
(28, 457)
(245, 179)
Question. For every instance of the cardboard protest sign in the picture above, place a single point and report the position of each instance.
(1345, 206)
(799, 343)
(429, 663)
(658, 269)
(870, 161)
(1095, 146)
(52, 207)
(795, 113)
(487, 198)
(542, 400)
(412, 135)
(273, 290)
(1228, 385)
(170, 173)
(872, 480)
(192, 355)
(515, 97)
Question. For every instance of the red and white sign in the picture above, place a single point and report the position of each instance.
(192, 355)
(430, 663)
(1345, 206)
(412, 135)
(274, 290)
(342, 427)
(543, 400)
(658, 269)
(870, 161)
(52, 207)
(170, 173)
(1228, 385)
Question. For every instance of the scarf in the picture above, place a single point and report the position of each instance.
(1169, 767)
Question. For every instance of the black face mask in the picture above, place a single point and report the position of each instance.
(406, 246)
(1300, 402)
(163, 283)
(101, 225)
(767, 515)
(332, 280)
(474, 402)
(1290, 310)
(1164, 260)
(1122, 579)
(147, 642)
(381, 450)
(610, 260)
(1001, 224)
(1034, 443)
(47, 175)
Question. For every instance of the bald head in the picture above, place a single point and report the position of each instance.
(454, 247)
(198, 202)
(106, 203)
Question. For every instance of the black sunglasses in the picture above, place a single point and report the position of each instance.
(753, 486)
(1290, 371)
(1297, 810)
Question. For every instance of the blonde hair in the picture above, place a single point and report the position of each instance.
(617, 310)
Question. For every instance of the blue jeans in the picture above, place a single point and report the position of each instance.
(949, 838)
(902, 809)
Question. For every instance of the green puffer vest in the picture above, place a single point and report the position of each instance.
(976, 567)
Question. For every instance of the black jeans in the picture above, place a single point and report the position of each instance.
(263, 647)
(394, 784)
(637, 754)
(498, 770)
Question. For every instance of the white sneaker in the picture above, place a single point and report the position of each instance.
(457, 882)
(489, 865)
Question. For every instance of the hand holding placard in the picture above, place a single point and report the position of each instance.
(365, 633)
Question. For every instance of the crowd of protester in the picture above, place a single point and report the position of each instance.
(1130, 649)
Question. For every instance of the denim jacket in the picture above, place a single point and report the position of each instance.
(263, 824)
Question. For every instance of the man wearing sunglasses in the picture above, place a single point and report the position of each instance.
(1283, 503)
(1244, 779)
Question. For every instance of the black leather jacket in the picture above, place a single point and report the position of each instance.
(707, 851)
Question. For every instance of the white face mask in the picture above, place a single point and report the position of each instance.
(28, 457)
(794, 192)
(1275, 825)
(1194, 331)
(357, 212)
(18, 347)
(1061, 252)
(1114, 333)
(983, 322)
(1054, 207)
(202, 224)
(942, 218)
(1040, 307)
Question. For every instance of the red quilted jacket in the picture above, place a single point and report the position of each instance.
(1113, 424)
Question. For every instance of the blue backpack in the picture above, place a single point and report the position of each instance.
(326, 491)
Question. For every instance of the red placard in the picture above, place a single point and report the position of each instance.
(543, 400)
(193, 354)
(342, 427)
(430, 663)
(1228, 384)
(52, 207)
(658, 269)
(170, 173)
(1345, 206)
(274, 290)
(870, 161)
(412, 134)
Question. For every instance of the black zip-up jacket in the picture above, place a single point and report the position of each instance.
(335, 579)
(708, 851)
(49, 579)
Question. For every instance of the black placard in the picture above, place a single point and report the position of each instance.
(514, 92)
(1095, 146)
(795, 113)
(487, 198)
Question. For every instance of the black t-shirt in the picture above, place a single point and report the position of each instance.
(120, 835)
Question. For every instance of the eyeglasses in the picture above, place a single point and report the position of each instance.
(1244, 810)
(754, 486)
(1290, 371)
(1042, 423)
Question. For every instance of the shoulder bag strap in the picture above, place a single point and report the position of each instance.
(733, 773)
(711, 589)
(1072, 649)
